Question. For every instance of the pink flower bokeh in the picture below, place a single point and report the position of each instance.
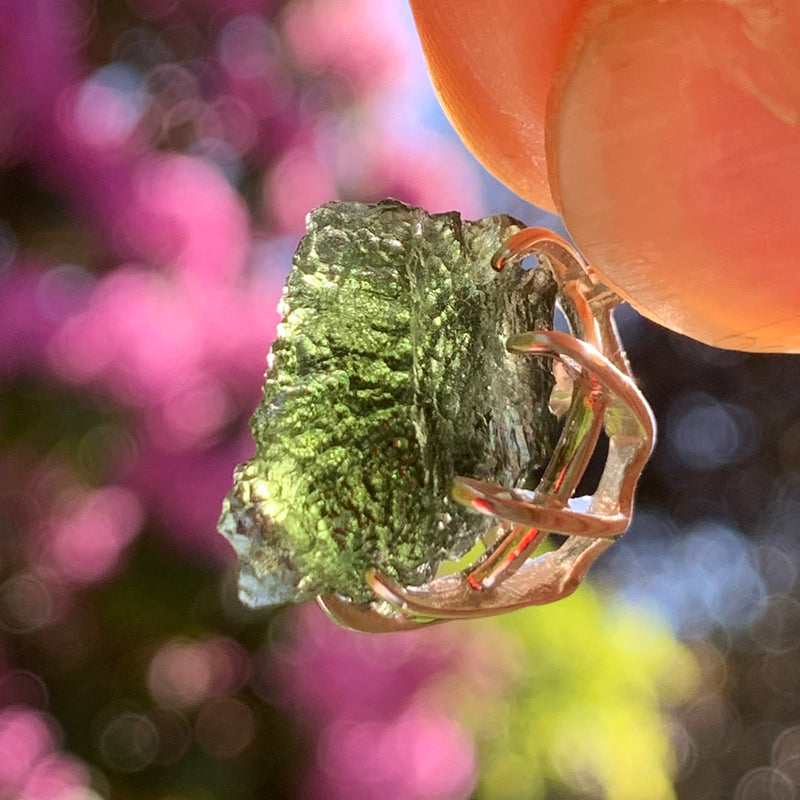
(31, 763)
(378, 729)
(184, 161)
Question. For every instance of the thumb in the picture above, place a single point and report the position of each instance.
(674, 148)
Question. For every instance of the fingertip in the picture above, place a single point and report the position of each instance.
(676, 162)
(492, 66)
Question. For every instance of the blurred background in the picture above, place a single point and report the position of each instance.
(157, 161)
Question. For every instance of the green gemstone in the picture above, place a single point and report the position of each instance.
(388, 378)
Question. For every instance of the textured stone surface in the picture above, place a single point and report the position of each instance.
(388, 378)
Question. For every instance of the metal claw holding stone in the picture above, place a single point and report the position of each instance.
(604, 396)
(418, 406)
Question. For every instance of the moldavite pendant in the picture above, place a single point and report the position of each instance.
(400, 401)
(388, 378)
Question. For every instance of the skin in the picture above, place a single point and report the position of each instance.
(665, 132)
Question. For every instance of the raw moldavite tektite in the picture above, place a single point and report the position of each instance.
(388, 378)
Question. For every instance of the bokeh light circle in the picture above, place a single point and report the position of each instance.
(129, 742)
(764, 783)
